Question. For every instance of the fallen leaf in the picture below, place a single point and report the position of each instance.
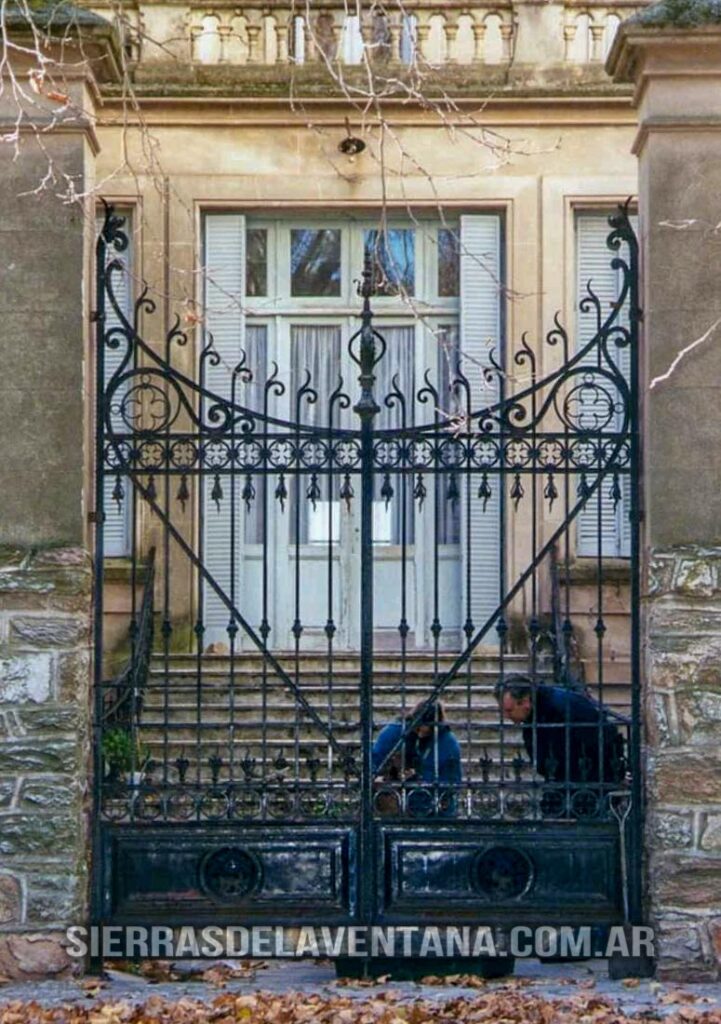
(678, 995)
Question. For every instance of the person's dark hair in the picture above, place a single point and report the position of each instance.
(432, 714)
(518, 685)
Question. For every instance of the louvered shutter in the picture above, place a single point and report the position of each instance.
(225, 320)
(594, 264)
(480, 324)
(116, 529)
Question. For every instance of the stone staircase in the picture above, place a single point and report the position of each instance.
(220, 719)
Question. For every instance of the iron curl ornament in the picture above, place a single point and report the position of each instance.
(571, 424)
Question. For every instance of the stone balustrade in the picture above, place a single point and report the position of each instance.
(415, 32)
(446, 33)
(589, 29)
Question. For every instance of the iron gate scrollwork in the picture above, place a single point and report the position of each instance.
(248, 773)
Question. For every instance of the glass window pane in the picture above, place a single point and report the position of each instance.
(256, 262)
(448, 263)
(383, 523)
(323, 522)
(315, 261)
(394, 259)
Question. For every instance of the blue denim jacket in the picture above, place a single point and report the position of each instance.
(449, 763)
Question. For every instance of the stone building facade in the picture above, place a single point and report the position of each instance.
(212, 128)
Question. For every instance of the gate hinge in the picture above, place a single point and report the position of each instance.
(96, 517)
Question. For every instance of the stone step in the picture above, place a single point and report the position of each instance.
(471, 759)
(480, 747)
(243, 674)
(169, 727)
(284, 714)
(319, 660)
(279, 701)
(283, 732)
(249, 716)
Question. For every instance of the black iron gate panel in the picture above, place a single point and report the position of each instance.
(491, 773)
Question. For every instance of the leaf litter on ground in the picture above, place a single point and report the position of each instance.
(501, 1005)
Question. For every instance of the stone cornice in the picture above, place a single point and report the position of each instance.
(71, 37)
(84, 127)
(635, 38)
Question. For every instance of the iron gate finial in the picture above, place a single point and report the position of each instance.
(367, 358)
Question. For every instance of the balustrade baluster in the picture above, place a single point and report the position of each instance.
(254, 28)
(597, 31)
(311, 46)
(224, 33)
(507, 40)
(479, 39)
(395, 28)
(423, 31)
(282, 30)
(451, 33)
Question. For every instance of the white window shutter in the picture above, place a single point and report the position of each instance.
(480, 324)
(116, 527)
(225, 320)
(593, 264)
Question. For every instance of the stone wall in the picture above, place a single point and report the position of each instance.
(672, 53)
(44, 754)
(45, 570)
(683, 712)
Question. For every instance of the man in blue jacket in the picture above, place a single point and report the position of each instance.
(425, 755)
(561, 731)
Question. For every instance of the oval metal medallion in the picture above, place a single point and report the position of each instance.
(502, 873)
(230, 873)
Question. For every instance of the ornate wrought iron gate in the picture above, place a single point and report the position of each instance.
(252, 783)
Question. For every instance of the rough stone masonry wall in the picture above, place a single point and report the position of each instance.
(683, 712)
(44, 755)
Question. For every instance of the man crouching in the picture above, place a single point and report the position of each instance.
(561, 731)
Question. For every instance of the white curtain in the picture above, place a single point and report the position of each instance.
(448, 511)
(399, 359)
(316, 348)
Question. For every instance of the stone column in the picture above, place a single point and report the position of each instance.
(45, 566)
(672, 52)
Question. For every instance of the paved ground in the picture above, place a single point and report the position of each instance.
(541, 980)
